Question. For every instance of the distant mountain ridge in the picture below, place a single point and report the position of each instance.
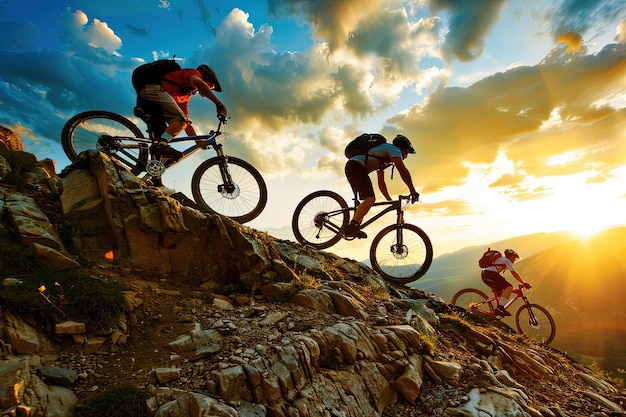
(580, 281)
(460, 269)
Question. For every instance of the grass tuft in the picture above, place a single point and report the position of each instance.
(48, 296)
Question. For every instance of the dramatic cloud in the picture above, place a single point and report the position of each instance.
(513, 111)
(469, 22)
(81, 36)
(580, 16)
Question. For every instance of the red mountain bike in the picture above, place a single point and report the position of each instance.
(531, 320)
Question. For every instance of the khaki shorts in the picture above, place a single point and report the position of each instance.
(157, 94)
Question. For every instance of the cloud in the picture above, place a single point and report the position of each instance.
(76, 32)
(621, 32)
(331, 20)
(294, 110)
(582, 16)
(510, 110)
(469, 22)
(573, 42)
(14, 34)
(137, 31)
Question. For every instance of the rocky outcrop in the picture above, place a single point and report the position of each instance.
(247, 325)
(10, 139)
(110, 211)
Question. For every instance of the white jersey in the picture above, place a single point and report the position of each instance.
(382, 155)
(500, 265)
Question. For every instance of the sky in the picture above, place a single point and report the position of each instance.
(517, 109)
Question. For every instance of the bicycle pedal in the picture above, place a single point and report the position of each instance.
(155, 168)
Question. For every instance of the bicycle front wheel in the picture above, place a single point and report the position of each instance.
(401, 253)
(318, 218)
(229, 187)
(473, 300)
(536, 323)
(107, 132)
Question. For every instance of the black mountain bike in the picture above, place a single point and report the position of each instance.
(223, 184)
(400, 253)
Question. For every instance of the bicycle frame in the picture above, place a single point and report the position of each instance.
(393, 205)
(210, 140)
(518, 293)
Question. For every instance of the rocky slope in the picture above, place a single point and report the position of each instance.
(223, 320)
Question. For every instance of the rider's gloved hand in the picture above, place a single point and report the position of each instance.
(527, 285)
(415, 197)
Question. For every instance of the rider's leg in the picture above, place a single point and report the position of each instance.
(500, 286)
(362, 187)
(505, 295)
(362, 209)
(176, 125)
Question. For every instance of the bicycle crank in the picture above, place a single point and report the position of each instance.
(155, 168)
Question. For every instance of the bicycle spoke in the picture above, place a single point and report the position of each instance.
(106, 132)
(318, 218)
(242, 200)
(401, 254)
(535, 323)
(473, 301)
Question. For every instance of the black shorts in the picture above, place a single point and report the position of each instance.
(494, 280)
(359, 179)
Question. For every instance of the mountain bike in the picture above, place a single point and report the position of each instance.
(531, 320)
(223, 184)
(400, 253)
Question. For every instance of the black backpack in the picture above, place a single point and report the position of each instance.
(363, 143)
(153, 72)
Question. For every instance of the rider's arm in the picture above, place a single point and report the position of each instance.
(205, 91)
(507, 264)
(517, 277)
(382, 185)
(404, 174)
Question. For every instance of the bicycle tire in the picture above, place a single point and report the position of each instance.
(313, 225)
(242, 204)
(85, 131)
(543, 331)
(466, 297)
(407, 264)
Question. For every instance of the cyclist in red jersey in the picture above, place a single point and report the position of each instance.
(492, 277)
(173, 95)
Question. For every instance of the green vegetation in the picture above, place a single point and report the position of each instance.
(21, 164)
(48, 296)
(122, 401)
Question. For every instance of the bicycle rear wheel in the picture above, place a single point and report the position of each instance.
(241, 199)
(470, 297)
(107, 132)
(401, 253)
(536, 323)
(318, 218)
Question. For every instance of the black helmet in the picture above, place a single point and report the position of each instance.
(510, 253)
(403, 142)
(208, 75)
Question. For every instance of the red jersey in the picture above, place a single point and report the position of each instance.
(181, 89)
